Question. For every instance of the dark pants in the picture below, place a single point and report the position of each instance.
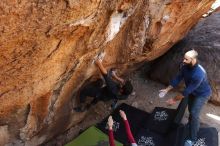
(93, 89)
(195, 105)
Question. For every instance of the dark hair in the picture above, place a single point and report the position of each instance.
(127, 88)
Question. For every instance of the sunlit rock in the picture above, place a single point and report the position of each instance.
(47, 48)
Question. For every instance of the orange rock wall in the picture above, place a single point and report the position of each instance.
(47, 48)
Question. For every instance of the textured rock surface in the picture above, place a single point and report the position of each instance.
(205, 39)
(4, 135)
(47, 48)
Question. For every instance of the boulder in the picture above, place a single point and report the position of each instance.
(47, 49)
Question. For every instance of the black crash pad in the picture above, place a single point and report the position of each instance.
(161, 120)
(146, 137)
(176, 137)
(135, 117)
(155, 129)
(206, 137)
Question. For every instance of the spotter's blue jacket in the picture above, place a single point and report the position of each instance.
(195, 79)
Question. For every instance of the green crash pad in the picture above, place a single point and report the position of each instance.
(92, 137)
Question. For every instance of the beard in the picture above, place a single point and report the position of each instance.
(189, 65)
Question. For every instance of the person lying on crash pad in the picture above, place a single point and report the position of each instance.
(127, 127)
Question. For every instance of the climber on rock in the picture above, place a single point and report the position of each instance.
(115, 89)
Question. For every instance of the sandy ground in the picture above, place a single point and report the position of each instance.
(145, 98)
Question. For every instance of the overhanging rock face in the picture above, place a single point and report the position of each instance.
(47, 48)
